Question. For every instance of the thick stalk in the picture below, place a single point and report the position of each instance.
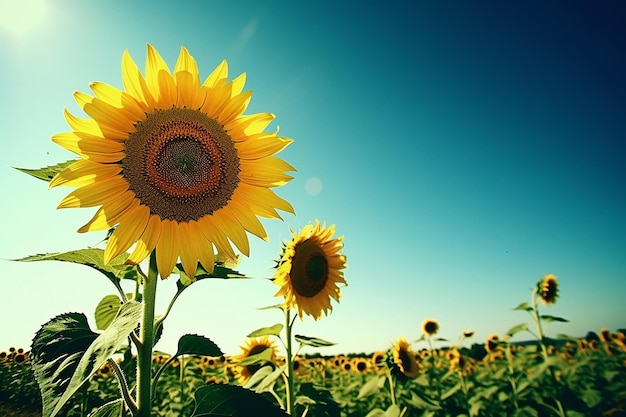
(290, 388)
(144, 350)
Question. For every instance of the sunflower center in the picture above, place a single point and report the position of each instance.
(181, 164)
(309, 271)
(405, 360)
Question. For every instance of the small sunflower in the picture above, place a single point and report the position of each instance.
(430, 327)
(548, 289)
(378, 359)
(491, 344)
(173, 164)
(360, 365)
(403, 362)
(468, 333)
(310, 270)
(253, 346)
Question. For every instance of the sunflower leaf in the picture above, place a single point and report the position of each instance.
(66, 353)
(111, 409)
(232, 400)
(106, 310)
(94, 258)
(192, 344)
(313, 341)
(375, 384)
(549, 319)
(262, 357)
(275, 306)
(524, 306)
(49, 172)
(219, 271)
(516, 329)
(267, 331)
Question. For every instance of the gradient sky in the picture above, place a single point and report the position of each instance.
(464, 150)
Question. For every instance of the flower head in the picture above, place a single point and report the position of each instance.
(548, 289)
(173, 164)
(310, 270)
(254, 346)
(491, 344)
(403, 362)
(430, 327)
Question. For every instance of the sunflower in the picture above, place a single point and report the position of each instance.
(430, 327)
(403, 362)
(360, 365)
(253, 346)
(548, 289)
(310, 270)
(491, 344)
(174, 164)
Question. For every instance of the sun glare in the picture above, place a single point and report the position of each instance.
(18, 17)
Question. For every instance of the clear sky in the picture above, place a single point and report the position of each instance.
(464, 150)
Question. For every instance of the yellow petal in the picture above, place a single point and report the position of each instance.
(111, 213)
(245, 216)
(168, 248)
(262, 199)
(131, 227)
(83, 125)
(212, 231)
(233, 229)
(260, 146)
(167, 90)
(188, 256)
(234, 107)
(147, 242)
(186, 63)
(82, 143)
(134, 83)
(249, 124)
(84, 172)
(154, 65)
(219, 73)
(268, 172)
(214, 99)
(237, 84)
(116, 118)
(95, 194)
(188, 89)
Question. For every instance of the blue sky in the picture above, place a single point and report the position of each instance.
(463, 149)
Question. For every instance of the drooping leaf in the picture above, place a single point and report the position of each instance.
(524, 306)
(193, 344)
(66, 353)
(94, 258)
(268, 382)
(313, 341)
(516, 329)
(258, 358)
(110, 409)
(235, 401)
(258, 376)
(49, 172)
(549, 319)
(423, 402)
(220, 271)
(106, 310)
(275, 306)
(267, 331)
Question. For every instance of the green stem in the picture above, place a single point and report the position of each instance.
(144, 350)
(290, 387)
(392, 392)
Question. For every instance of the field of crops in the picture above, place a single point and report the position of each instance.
(586, 377)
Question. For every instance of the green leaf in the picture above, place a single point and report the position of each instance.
(591, 397)
(258, 376)
(66, 353)
(110, 409)
(451, 392)
(325, 405)
(234, 401)
(423, 403)
(267, 382)
(106, 310)
(393, 411)
(516, 329)
(192, 344)
(94, 258)
(313, 341)
(220, 271)
(376, 412)
(262, 357)
(549, 319)
(267, 331)
(371, 386)
(49, 172)
(524, 306)
(526, 411)
(275, 306)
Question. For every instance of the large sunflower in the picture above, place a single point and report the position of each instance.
(173, 163)
(310, 270)
(403, 362)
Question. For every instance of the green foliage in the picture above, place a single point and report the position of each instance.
(66, 353)
(193, 344)
(49, 172)
(312, 341)
(106, 310)
(230, 400)
(110, 409)
(267, 331)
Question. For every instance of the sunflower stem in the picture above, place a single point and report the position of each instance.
(290, 387)
(144, 351)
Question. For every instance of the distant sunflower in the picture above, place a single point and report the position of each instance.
(174, 164)
(360, 365)
(430, 327)
(491, 344)
(548, 289)
(378, 359)
(310, 270)
(253, 346)
(404, 364)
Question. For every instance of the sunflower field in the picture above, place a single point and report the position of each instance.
(587, 376)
